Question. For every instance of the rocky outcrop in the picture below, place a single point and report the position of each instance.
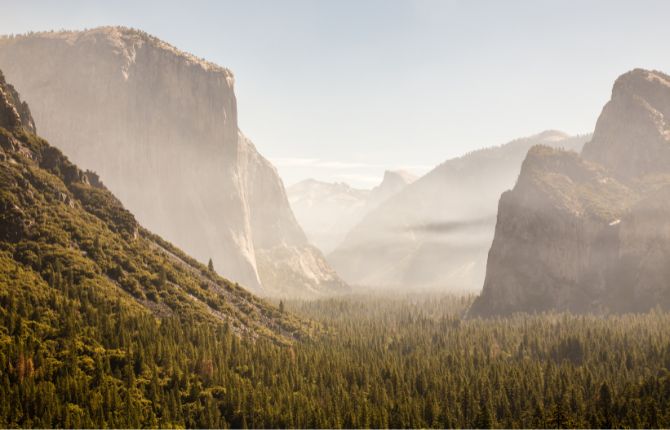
(632, 133)
(13, 112)
(302, 271)
(436, 232)
(394, 181)
(161, 127)
(590, 233)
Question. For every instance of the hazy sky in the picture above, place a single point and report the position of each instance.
(341, 90)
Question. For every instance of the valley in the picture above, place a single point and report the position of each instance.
(407, 241)
(393, 361)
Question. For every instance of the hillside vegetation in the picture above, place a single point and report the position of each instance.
(87, 294)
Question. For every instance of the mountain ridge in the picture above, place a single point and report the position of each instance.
(436, 231)
(327, 211)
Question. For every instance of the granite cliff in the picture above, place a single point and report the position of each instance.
(160, 126)
(590, 232)
(64, 235)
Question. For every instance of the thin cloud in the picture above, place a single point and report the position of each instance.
(294, 162)
(359, 178)
(345, 165)
(448, 227)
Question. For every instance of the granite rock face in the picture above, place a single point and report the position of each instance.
(435, 232)
(632, 133)
(394, 181)
(160, 126)
(590, 232)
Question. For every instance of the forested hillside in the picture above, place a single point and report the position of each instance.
(91, 300)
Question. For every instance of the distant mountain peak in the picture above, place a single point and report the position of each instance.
(393, 182)
(552, 135)
(328, 210)
(635, 82)
(395, 176)
(315, 184)
(436, 231)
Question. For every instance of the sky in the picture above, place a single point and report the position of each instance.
(343, 90)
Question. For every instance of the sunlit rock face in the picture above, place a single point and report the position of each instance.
(161, 127)
(590, 233)
(435, 233)
(632, 133)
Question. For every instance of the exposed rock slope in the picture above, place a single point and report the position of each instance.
(63, 234)
(161, 127)
(435, 233)
(590, 233)
(327, 211)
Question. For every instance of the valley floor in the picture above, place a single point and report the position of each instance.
(407, 361)
(397, 362)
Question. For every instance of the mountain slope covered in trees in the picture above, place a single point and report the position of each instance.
(88, 295)
(61, 228)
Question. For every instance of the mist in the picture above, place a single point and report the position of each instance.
(402, 214)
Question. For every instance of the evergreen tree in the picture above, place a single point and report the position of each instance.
(484, 420)
(605, 405)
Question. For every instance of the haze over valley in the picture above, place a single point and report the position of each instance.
(403, 214)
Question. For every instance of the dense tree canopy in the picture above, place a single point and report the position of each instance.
(70, 357)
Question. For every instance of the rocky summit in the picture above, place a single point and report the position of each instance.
(160, 126)
(590, 232)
